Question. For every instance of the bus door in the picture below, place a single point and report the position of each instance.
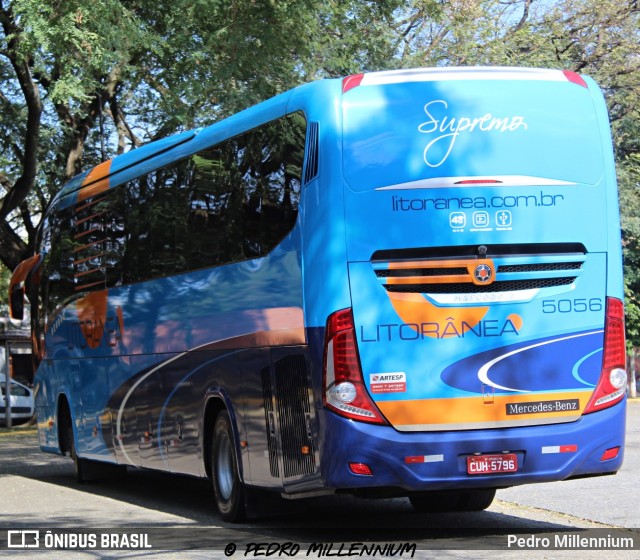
(281, 431)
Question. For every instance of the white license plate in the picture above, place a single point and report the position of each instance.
(491, 464)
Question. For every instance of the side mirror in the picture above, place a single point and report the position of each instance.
(16, 302)
(17, 286)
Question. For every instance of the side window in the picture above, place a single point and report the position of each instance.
(245, 193)
(156, 223)
(231, 202)
(57, 244)
(84, 246)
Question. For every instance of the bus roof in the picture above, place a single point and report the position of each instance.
(460, 73)
(159, 153)
(412, 128)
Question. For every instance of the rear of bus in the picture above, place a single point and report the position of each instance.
(484, 345)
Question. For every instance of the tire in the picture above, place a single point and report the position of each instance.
(435, 502)
(79, 465)
(476, 500)
(228, 490)
(86, 470)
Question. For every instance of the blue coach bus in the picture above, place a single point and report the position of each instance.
(403, 283)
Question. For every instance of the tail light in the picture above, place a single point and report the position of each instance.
(612, 384)
(344, 389)
(351, 82)
(574, 78)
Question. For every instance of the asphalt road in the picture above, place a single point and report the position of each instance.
(38, 492)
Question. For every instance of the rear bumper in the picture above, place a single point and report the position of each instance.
(437, 460)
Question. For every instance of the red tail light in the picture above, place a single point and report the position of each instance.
(574, 78)
(612, 384)
(609, 454)
(361, 469)
(351, 82)
(344, 389)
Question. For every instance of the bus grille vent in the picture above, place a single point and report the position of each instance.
(311, 169)
(294, 416)
(272, 443)
(401, 272)
(452, 270)
(540, 267)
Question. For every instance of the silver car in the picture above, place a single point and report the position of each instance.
(22, 402)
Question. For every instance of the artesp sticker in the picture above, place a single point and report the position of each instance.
(393, 382)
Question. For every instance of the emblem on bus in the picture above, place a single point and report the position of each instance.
(483, 273)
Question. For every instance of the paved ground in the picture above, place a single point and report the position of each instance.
(38, 492)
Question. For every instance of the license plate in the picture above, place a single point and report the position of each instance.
(491, 464)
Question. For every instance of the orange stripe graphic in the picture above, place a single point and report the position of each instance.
(479, 409)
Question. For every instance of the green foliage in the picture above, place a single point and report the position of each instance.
(75, 43)
(629, 183)
(5, 276)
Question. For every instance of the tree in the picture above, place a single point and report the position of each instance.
(78, 72)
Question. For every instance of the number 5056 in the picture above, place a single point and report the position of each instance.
(579, 305)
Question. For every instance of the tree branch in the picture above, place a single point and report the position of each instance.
(83, 126)
(31, 94)
(13, 248)
(525, 16)
(121, 124)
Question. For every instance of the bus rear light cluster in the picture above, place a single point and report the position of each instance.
(612, 384)
(344, 389)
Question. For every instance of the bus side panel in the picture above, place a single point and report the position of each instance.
(280, 419)
(268, 394)
(615, 282)
(164, 405)
(154, 350)
(261, 465)
(325, 280)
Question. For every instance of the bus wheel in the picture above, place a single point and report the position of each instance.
(434, 502)
(86, 470)
(80, 465)
(476, 500)
(229, 493)
(438, 502)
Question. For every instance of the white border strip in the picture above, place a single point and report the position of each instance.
(553, 449)
(505, 181)
(464, 73)
(126, 398)
(484, 297)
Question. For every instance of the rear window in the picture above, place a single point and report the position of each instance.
(406, 132)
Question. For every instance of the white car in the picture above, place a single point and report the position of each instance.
(22, 402)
